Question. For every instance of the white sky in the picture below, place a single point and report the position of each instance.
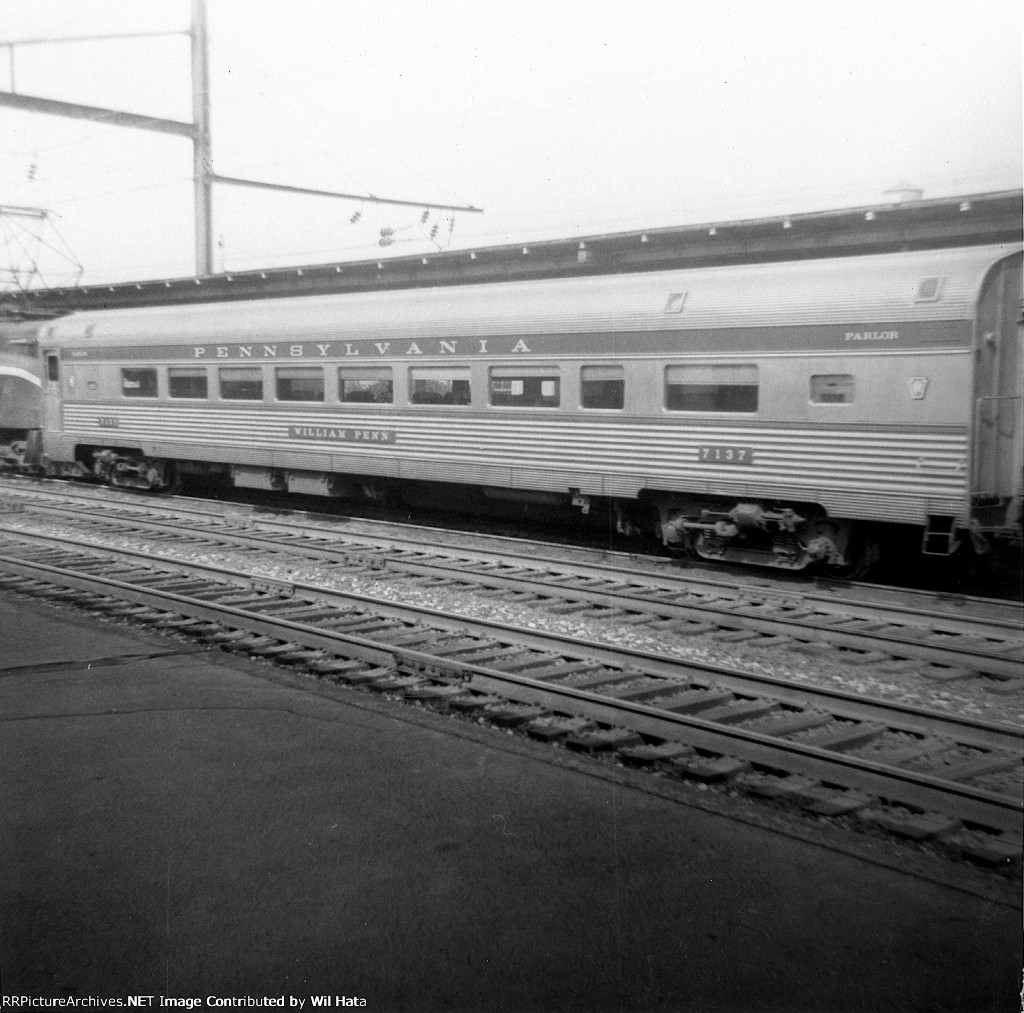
(558, 118)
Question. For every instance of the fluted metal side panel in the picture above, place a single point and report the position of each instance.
(890, 473)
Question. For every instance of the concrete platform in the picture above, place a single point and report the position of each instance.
(181, 823)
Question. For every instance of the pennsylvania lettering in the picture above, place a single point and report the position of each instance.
(353, 349)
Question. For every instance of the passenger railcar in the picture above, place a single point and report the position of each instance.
(778, 413)
(20, 389)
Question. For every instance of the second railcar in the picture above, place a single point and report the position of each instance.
(20, 395)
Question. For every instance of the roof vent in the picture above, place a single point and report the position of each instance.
(903, 192)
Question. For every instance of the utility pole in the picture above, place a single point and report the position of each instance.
(202, 154)
(198, 131)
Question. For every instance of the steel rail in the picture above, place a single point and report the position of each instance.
(727, 615)
(983, 807)
(841, 703)
(624, 572)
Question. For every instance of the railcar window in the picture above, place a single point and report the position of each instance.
(524, 387)
(439, 386)
(373, 386)
(724, 387)
(241, 383)
(832, 388)
(929, 289)
(186, 381)
(602, 387)
(52, 367)
(298, 383)
(138, 382)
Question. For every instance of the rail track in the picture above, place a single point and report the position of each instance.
(951, 637)
(917, 771)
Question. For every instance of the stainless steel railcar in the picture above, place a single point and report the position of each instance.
(20, 386)
(775, 413)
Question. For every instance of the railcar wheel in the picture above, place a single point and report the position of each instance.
(862, 554)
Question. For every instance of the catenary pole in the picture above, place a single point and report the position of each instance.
(202, 155)
(198, 131)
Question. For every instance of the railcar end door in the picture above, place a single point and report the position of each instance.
(52, 415)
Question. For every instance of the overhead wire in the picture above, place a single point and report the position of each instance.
(607, 90)
(285, 87)
(316, 144)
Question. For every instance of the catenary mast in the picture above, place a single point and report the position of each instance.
(198, 131)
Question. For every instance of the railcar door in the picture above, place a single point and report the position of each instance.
(997, 466)
(52, 414)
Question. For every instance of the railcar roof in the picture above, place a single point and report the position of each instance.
(889, 288)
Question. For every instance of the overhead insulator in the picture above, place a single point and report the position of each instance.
(355, 218)
(433, 232)
(424, 216)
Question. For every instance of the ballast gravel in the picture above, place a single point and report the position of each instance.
(792, 662)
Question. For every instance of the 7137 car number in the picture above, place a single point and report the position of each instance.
(717, 453)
